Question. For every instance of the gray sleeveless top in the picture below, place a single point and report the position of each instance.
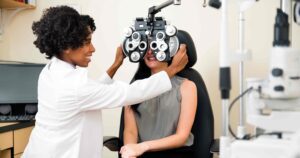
(160, 115)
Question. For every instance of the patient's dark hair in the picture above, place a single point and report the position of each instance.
(142, 72)
(61, 28)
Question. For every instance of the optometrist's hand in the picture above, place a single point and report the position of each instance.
(133, 150)
(119, 56)
(117, 63)
(179, 61)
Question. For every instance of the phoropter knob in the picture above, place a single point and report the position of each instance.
(161, 56)
(160, 35)
(170, 30)
(128, 32)
(136, 36)
(135, 56)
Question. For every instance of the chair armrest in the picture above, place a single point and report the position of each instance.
(215, 146)
(112, 143)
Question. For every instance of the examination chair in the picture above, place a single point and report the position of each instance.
(203, 127)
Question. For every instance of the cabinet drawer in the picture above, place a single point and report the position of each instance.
(18, 156)
(5, 153)
(21, 137)
(6, 140)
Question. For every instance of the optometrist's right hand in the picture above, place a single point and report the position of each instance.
(119, 58)
(179, 61)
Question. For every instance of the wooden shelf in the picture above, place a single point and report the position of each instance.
(11, 4)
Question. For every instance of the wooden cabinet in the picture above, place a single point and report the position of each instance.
(14, 140)
(18, 156)
(6, 140)
(5, 153)
(21, 137)
(14, 4)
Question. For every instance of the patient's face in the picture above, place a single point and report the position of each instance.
(152, 62)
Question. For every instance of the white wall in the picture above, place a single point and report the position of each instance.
(202, 23)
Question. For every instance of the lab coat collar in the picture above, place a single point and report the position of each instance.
(61, 62)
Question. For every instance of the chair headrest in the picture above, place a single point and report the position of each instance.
(185, 38)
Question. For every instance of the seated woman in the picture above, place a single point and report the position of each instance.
(165, 124)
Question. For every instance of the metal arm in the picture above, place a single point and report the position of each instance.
(155, 9)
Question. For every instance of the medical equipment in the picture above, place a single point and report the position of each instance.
(215, 3)
(154, 33)
(163, 40)
(273, 104)
(297, 12)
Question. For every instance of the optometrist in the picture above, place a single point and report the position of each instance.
(68, 122)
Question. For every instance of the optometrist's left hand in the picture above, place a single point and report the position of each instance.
(133, 150)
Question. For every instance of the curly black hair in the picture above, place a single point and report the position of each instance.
(61, 28)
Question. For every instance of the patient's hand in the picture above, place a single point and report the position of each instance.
(133, 150)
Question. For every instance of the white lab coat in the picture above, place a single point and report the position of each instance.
(69, 122)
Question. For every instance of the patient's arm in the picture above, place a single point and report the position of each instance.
(186, 119)
(130, 129)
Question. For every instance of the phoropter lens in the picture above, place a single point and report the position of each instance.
(153, 45)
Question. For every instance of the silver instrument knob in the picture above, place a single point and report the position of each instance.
(161, 56)
(135, 56)
(171, 30)
(160, 35)
(128, 32)
(136, 36)
(163, 47)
